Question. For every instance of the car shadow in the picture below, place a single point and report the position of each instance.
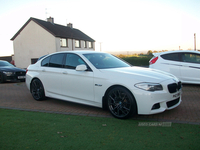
(11, 82)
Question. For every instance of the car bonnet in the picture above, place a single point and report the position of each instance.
(10, 69)
(140, 74)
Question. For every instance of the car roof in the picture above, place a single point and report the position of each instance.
(176, 51)
(80, 52)
(77, 52)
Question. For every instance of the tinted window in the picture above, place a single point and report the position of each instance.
(45, 62)
(56, 60)
(5, 63)
(190, 57)
(73, 60)
(104, 61)
(41, 57)
(172, 57)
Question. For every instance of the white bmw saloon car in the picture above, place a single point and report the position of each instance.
(103, 80)
(184, 64)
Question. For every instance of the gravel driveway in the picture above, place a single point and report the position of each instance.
(17, 96)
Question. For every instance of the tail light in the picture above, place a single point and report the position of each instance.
(26, 70)
(152, 61)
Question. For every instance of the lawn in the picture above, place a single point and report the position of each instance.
(45, 131)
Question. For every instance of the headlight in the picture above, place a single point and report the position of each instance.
(8, 73)
(149, 86)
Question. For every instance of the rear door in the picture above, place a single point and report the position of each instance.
(51, 73)
(171, 63)
(190, 70)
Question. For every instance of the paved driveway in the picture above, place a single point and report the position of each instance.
(17, 96)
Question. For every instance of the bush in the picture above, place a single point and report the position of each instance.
(138, 61)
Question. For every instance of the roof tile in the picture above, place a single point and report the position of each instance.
(58, 30)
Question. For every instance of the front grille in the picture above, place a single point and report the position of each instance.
(174, 87)
(172, 103)
(21, 73)
(10, 78)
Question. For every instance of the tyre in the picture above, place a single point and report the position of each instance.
(121, 103)
(1, 77)
(37, 90)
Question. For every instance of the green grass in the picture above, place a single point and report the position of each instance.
(36, 130)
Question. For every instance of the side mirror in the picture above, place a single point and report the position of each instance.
(81, 68)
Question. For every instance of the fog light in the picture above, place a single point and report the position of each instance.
(156, 106)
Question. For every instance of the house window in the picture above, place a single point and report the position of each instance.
(77, 43)
(63, 42)
(90, 45)
(85, 44)
(34, 60)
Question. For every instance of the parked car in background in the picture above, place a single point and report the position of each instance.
(103, 80)
(184, 64)
(8, 72)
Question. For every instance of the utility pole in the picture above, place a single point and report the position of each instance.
(195, 41)
(100, 45)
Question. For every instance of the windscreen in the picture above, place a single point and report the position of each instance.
(105, 61)
(5, 63)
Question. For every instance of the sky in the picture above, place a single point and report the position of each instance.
(116, 25)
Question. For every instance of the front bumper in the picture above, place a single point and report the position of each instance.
(15, 76)
(158, 101)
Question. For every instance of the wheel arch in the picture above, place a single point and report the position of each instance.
(104, 106)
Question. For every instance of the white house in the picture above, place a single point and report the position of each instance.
(37, 38)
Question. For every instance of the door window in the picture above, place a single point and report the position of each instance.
(45, 62)
(172, 57)
(53, 61)
(73, 60)
(191, 58)
(56, 60)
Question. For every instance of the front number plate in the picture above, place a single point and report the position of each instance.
(21, 77)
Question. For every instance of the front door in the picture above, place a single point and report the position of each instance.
(75, 84)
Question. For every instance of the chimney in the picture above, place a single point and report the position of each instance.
(50, 20)
(70, 25)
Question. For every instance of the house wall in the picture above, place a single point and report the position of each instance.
(32, 42)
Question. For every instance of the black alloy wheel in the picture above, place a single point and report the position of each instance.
(121, 103)
(37, 90)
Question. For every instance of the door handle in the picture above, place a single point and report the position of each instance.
(65, 72)
(43, 70)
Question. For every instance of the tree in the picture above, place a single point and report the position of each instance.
(149, 52)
